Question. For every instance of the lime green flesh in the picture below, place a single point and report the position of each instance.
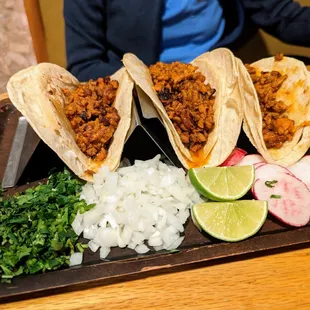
(231, 221)
(223, 183)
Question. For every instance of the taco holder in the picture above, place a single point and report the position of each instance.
(148, 119)
(17, 136)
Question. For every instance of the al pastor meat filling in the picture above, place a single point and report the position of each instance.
(89, 108)
(277, 127)
(187, 100)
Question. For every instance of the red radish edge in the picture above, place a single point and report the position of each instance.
(301, 170)
(257, 165)
(253, 191)
(257, 159)
(278, 169)
(236, 155)
(305, 159)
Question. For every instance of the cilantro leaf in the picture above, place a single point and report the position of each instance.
(271, 183)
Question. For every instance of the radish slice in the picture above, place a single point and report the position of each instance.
(288, 199)
(305, 159)
(236, 155)
(301, 170)
(251, 160)
(257, 165)
(270, 171)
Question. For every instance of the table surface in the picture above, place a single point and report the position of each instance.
(278, 281)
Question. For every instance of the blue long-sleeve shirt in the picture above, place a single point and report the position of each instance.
(99, 32)
(185, 34)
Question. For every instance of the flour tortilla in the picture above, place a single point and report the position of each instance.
(221, 72)
(294, 92)
(230, 113)
(37, 93)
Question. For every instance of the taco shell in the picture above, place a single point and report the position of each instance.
(223, 138)
(37, 93)
(294, 92)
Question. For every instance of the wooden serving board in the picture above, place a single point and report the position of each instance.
(123, 263)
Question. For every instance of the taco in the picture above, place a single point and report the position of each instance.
(277, 108)
(84, 123)
(199, 104)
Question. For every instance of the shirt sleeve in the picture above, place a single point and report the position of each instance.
(285, 19)
(85, 39)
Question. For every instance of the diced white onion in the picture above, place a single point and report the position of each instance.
(147, 202)
(76, 259)
(158, 248)
(93, 245)
(141, 249)
(90, 232)
(104, 252)
(155, 241)
(175, 244)
(77, 224)
(131, 245)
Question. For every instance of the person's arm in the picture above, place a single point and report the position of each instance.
(84, 28)
(285, 19)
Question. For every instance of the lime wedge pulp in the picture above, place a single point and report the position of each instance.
(223, 183)
(231, 221)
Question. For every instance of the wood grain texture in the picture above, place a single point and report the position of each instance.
(280, 281)
(33, 12)
(4, 96)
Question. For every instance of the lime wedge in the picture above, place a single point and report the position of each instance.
(231, 221)
(223, 183)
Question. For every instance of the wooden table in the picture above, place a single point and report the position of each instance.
(279, 281)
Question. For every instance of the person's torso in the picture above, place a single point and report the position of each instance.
(190, 28)
(138, 26)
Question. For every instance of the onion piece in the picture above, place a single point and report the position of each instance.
(76, 259)
(141, 249)
(93, 245)
(104, 252)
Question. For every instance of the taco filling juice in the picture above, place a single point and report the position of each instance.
(187, 101)
(89, 108)
(277, 126)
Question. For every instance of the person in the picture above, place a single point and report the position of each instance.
(99, 32)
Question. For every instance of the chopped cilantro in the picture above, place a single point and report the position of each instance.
(35, 226)
(174, 251)
(81, 247)
(275, 196)
(271, 183)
